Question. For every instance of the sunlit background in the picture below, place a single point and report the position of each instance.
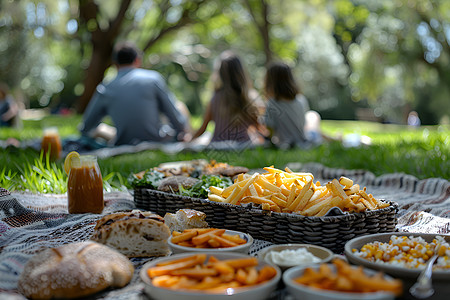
(355, 60)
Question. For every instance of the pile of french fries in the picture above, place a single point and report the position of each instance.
(348, 279)
(293, 192)
(210, 276)
(206, 238)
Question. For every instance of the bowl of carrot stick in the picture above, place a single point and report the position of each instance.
(197, 276)
(210, 240)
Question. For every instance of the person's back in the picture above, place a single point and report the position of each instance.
(134, 103)
(230, 108)
(134, 100)
(228, 127)
(287, 120)
(286, 108)
(8, 108)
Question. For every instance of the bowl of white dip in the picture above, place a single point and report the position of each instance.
(291, 255)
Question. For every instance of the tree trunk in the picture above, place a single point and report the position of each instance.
(263, 26)
(102, 46)
(100, 61)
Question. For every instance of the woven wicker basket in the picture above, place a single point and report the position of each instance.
(331, 232)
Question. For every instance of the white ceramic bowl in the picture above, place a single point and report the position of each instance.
(441, 278)
(244, 248)
(325, 255)
(303, 292)
(260, 291)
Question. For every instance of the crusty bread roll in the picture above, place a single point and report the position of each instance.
(74, 270)
(134, 234)
(185, 219)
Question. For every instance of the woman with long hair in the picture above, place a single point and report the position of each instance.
(287, 111)
(230, 108)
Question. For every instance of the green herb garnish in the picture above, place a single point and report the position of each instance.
(201, 188)
(150, 179)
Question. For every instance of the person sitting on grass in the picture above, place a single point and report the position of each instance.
(287, 113)
(9, 110)
(231, 108)
(135, 101)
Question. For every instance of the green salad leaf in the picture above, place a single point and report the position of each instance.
(150, 179)
(201, 188)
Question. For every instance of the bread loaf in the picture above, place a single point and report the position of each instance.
(134, 234)
(185, 219)
(74, 270)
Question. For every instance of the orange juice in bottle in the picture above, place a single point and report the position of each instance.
(85, 186)
(51, 143)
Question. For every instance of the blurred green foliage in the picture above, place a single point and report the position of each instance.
(390, 56)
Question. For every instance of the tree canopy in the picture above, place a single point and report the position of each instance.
(391, 56)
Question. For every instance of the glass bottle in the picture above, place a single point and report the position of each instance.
(51, 143)
(85, 186)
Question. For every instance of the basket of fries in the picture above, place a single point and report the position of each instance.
(285, 207)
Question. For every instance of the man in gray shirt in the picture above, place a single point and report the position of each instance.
(135, 101)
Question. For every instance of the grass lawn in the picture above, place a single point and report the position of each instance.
(422, 152)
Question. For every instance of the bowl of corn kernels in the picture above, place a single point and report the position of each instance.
(404, 255)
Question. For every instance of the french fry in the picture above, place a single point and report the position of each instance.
(175, 261)
(258, 200)
(244, 188)
(199, 230)
(323, 210)
(216, 198)
(166, 269)
(203, 238)
(195, 272)
(241, 262)
(292, 195)
(272, 170)
(213, 243)
(313, 210)
(278, 201)
(267, 185)
(175, 233)
(265, 206)
(253, 191)
(252, 276)
(258, 188)
(337, 189)
(352, 190)
(228, 190)
(347, 182)
(234, 238)
(288, 170)
(278, 179)
(241, 276)
(234, 194)
(223, 268)
(304, 200)
(224, 242)
(299, 199)
(216, 190)
(183, 237)
(266, 273)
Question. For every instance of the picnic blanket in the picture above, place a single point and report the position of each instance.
(30, 223)
(101, 150)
